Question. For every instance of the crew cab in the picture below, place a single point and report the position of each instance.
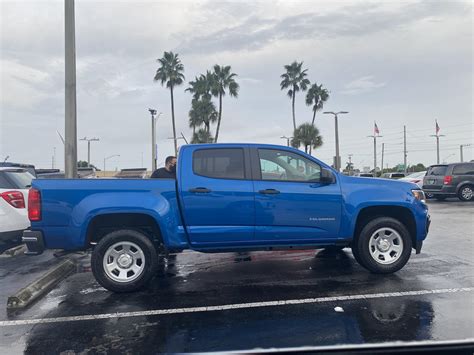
(227, 197)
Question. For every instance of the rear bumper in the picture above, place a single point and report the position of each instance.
(445, 190)
(34, 242)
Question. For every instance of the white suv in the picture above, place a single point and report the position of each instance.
(14, 187)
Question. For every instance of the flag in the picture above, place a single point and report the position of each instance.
(376, 129)
(437, 127)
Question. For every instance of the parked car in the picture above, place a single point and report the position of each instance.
(220, 202)
(450, 180)
(14, 187)
(393, 175)
(30, 168)
(365, 175)
(416, 178)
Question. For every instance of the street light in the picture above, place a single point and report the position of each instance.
(337, 163)
(287, 140)
(89, 140)
(109, 157)
(6, 158)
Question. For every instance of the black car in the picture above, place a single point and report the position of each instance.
(450, 180)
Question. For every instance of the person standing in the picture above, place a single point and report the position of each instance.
(168, 172)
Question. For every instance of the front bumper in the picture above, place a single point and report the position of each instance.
(34, 242)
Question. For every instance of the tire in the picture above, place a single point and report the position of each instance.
(388, 254)
(132, 260)
(466, 193)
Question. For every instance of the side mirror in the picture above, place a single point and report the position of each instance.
(327, 177)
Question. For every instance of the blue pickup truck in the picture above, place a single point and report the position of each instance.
(227, 197)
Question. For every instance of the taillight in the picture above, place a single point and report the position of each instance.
(448, 180)
(14, 198)
(34, 205)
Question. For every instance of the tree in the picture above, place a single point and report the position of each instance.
(308, 136)
(203, 112)
(202, 136)
(316, 96)
(221, 80)
(294, 79)
(170, 72)
(201, 86)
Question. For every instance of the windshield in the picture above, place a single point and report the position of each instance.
(438, 170)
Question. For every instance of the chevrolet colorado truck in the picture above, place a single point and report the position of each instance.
(227, 198)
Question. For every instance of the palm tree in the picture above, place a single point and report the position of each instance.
(223, 79)
(203, 112)
(316, 96)
(170, 72)
(202, 136)
(308, 136)
(294, 79)
(201, 86)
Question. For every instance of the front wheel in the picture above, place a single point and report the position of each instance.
(466, 193)
(124, 261)
(383, 246)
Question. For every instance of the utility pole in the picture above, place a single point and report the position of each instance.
(287, 140)
(89, 140)
(460, 150)
(70, 146)
(337, 162)
(405, 149)
(381, 165)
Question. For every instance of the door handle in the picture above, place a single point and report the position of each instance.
(269, 192)
(200, 190)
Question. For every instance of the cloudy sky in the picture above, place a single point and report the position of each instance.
(397, 63)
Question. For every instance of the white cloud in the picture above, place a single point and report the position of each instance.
(361, 85)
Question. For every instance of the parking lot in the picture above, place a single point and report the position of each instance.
(281, 299)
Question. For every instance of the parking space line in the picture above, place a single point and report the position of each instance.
(157, 312)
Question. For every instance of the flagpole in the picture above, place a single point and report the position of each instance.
(375, 136)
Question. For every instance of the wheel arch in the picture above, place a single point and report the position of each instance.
(400, 213)
(107, 222)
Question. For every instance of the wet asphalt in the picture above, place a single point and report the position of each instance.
(200, 280)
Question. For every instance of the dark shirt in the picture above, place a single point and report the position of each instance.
(162, 173)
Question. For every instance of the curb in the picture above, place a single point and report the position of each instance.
(29, 294)
(19, 249)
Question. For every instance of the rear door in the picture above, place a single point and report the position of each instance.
(217, 195)
(291, 205)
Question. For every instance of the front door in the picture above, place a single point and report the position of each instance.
(290, 202)
(218, 197)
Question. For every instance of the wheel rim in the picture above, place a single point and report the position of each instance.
(467, 193)
(124, 262)
(385, 246)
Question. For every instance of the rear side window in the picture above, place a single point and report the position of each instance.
(225, 163)
(464, 169)
(4, 182)
(439, 170)
(15, 179)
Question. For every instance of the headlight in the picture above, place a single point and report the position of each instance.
(419, 195)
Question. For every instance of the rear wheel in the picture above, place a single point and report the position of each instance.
(383, 246)
(124, 261)
(466, 193)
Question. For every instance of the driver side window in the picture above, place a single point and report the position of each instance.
(281, 165)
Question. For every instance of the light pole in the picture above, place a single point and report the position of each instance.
(287, 140)
(337, 163)
(460, 150)
(109, 157)
(153, 137)
(70, 112)
(437, 145)
(6, 158)
(89, 140)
